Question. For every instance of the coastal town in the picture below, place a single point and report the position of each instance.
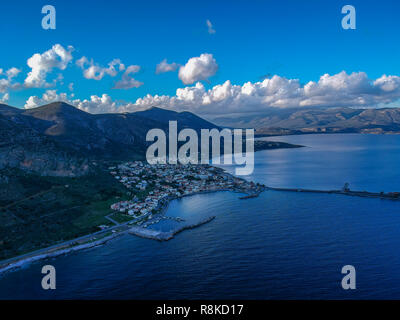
(150, 189)
(153, 186)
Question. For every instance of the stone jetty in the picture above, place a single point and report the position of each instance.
(162, 235)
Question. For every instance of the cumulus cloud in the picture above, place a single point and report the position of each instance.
(94, 71)
(12, 73)
(7, 79)
(198, 68)
(48, 97)
(5, 85)
(342, 89)
(4, 98)
(95, 104)
(210, 27)
(164, 66)
(127, 81)
(41, 64)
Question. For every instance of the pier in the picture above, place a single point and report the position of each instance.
(250, 196)
(165, 236)
(365, 194)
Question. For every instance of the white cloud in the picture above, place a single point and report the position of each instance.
(4, 98)
(164, 66)
(41, 64)
(198, 68)
(5, 85)
(71, 86)
(82, 62)
(96, 104)
(12, 73)
(48, 97)
(342, 89)
(127, 81)
(210, 27)
(7, 81)
(96, 72)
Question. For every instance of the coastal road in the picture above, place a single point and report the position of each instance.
(67, 243)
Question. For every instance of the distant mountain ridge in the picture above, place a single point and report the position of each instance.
(56, 137)
(319, 120)
(59, 139)
(185, 119)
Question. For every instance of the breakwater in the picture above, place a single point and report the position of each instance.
(365, 194)
(165, 236)
(250, 196)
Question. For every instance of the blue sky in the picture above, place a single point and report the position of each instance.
(293, 39)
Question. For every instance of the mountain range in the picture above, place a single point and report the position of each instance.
(59, 139)
(276, 121)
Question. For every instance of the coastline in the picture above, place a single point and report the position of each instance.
(18, 263)
(68, 247)
(71, 246)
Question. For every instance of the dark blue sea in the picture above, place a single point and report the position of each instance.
(280, 245)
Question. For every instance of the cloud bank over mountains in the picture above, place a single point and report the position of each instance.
(342, 89)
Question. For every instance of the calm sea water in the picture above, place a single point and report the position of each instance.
(278, 246)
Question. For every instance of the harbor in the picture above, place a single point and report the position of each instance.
(157, 204)
(165, 236)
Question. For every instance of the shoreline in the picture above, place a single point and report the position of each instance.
(70, 246)
(90, 240)
(18, 263)
(15, 263)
